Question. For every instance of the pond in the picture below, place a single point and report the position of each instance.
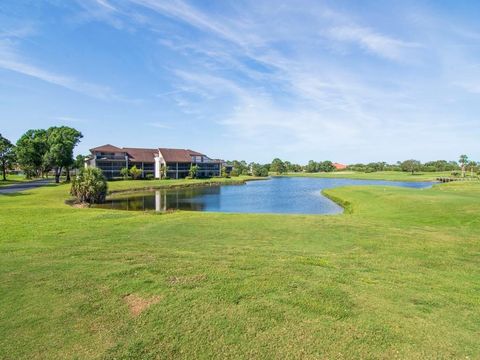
(281, 195)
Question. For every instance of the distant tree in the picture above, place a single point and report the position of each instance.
(125, 172)
(326, 166)
(258, 170)
(61, 141)
(30, 151)
(90, 186)
(7, 156)
(193, 172)
(223, 172)
(440, 165)
(290, 167)
(79, 162)
(135, 172)
(241, 167)
(472, 165)
(312, 167)
(463, 163)
(278, 166)
(411, 165)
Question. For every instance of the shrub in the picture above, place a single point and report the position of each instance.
(125, 173)
(234, 172)
(90, 186)
(223, 172)
(149, 177)
(193, 172)
(135, 172)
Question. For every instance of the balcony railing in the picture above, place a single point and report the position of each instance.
(110, 157)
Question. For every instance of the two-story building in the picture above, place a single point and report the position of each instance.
(111, 159)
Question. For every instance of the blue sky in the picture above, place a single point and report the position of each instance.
(349, 81)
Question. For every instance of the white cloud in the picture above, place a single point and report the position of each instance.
(10, 60)
(372, 41)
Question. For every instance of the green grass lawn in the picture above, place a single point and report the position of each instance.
(399, 277)
(379, 175)
(12, 179)
(123, 185)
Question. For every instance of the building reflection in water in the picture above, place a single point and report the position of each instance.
(193, 199)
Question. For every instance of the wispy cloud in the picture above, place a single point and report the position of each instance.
(159, 125)
(372, 41)
(12, 61)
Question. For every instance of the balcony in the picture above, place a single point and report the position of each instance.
(110, 157)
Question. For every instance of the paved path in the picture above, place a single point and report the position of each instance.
(10, 189)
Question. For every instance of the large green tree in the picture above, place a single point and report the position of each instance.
(61, 142)
(326, 166)
(312, 167)
(411, 165)
(278, 166)
(7, 155)
(30, 152)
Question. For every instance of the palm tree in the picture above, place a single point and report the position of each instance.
(135, 172)
(463, 162)
(472, 165)
(193, 172)
(164, 172)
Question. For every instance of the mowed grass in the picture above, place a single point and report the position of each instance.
(379, 175)
(125, 185)
(12, 179)
(399, 277)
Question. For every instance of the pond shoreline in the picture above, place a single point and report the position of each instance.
(186, 186)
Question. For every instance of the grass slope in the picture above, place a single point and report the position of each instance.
(125, 185)
(399, 277)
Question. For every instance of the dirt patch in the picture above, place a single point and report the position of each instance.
(137, 304)
(186, 280)
(80, 205)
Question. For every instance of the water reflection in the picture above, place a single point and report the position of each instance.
(192, 199)
(278, 195)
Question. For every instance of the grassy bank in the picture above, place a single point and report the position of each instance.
(399, 277)
(126, 185)
(379, 175)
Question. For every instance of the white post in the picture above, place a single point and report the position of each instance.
(157, 168)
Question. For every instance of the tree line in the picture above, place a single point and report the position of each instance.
(278, 166)
(40, 151)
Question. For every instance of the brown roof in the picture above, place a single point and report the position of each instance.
(107, 148)
(141, 155)
(178, 155)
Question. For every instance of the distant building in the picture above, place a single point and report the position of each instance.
(111, 159)
(339, 166)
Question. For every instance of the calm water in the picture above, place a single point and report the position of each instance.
(286, 195)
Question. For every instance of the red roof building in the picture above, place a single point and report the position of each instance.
(177, 162)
